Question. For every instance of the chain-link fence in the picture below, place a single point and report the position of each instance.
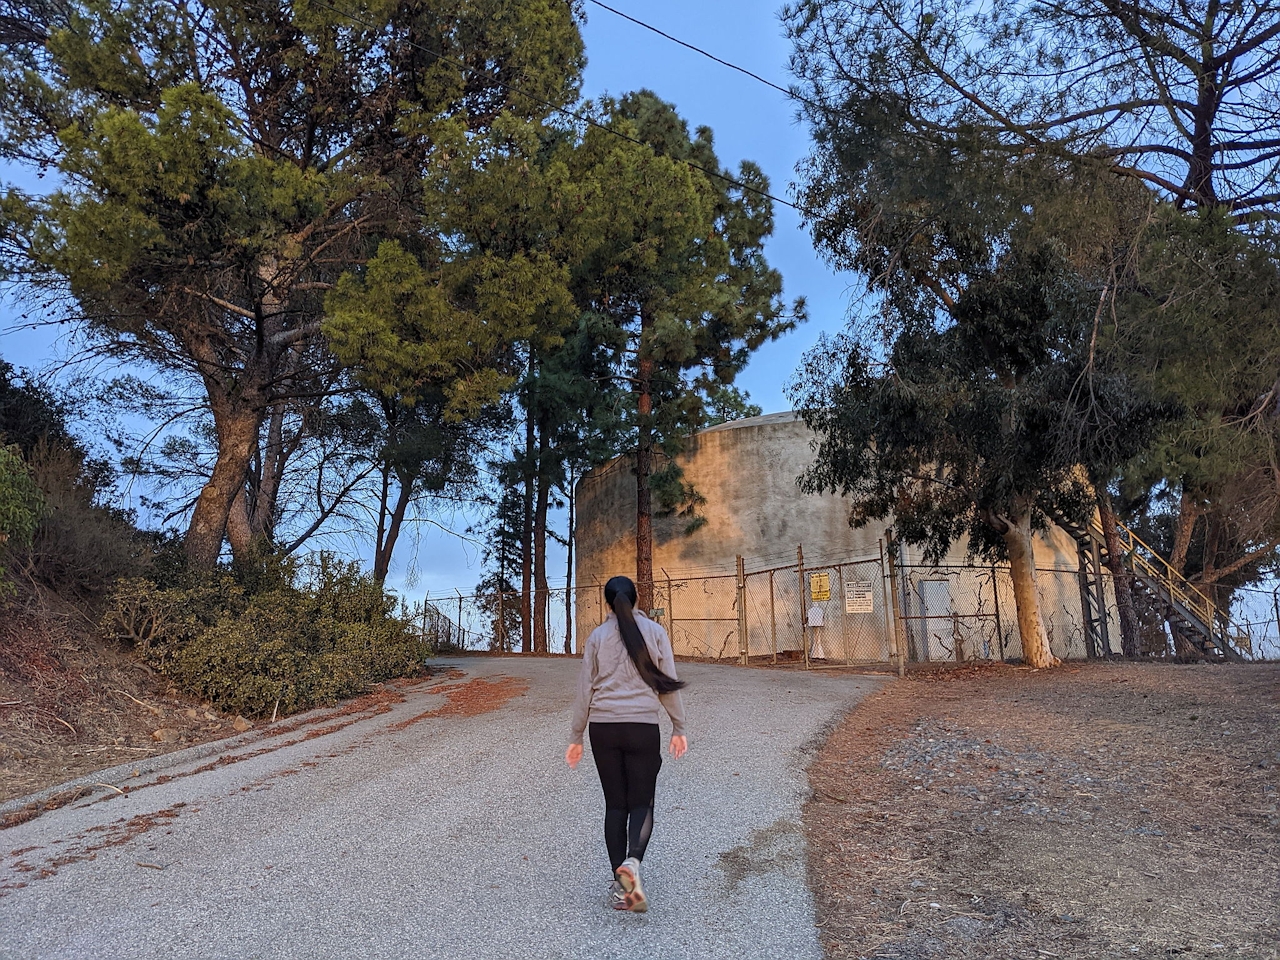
(494, 621)
(969, 613)
(1256, 614)
(858, 611)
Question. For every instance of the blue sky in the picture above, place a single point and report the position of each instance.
(750, 121)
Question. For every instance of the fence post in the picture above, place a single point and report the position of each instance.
(897, 611)
(743, 645)
(773, 622)
(426, 602)
(839, 611)
(995, 589)
(671, 603)
(568, 617)
(1085, 557)
(1275, 602)
(890, 622)
(804, 608)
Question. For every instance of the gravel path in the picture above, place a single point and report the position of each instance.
(393, 834)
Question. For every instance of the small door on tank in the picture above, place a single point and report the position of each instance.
(935, 628)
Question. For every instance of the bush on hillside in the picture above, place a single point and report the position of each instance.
(81, 544)
(21, 507)
(275, 633)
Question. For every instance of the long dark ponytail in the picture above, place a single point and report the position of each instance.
(620, 594)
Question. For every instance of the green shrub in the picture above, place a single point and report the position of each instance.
(81, 546)
(296, 634)
(21, 508)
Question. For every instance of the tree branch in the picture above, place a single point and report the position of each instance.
(1244, 561)
(224, 304)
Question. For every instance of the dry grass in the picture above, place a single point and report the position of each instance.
(71, 704)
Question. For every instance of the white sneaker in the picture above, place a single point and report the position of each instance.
(628, 875)
(616, 897)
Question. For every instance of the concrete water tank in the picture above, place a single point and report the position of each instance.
(747, 471)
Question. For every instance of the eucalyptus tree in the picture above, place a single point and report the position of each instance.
(221, 165)
(976, 427)
(1177, 100)
(984, 385)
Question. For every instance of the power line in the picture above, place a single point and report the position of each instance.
(581, 117)
(790, 94)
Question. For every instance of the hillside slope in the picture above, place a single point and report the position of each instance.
(71, 703)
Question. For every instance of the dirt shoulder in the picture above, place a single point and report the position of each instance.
(1102, 810)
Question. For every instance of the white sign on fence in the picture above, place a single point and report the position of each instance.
(858, 597)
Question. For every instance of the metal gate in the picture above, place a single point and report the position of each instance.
(825, 614)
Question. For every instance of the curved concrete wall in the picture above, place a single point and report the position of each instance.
(747, 472)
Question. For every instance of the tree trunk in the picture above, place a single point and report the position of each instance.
(384, 508)
(644, 469)
(386, 544)
(1130, 630)
(274, 457)
(263, 487)
(526, 533)
(504, 575)
(1200, 169)
(1212, 544)
(238, 414)
(1188, 514)
(1026, 595)
(239, 525)
(568, 578)
(540, 644)
(1182, 645)
(237, 433)
(252, 521)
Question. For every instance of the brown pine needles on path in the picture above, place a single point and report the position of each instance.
(1101, 810)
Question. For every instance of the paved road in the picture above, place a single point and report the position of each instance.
(455, 836)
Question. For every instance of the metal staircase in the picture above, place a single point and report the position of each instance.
(1093, 598)
(1165, 600)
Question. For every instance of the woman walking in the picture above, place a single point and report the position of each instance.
(628, 670)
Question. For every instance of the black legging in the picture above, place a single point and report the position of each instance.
(628, 757)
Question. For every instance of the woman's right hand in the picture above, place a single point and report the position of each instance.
(573, 755)
(678, 746)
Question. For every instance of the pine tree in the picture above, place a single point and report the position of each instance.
(678, 269)
(222, 165)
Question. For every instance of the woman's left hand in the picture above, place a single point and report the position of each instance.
(678, 746)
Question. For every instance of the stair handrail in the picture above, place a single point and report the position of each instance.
(1180, 589)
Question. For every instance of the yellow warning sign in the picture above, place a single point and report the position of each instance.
(820, 586)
